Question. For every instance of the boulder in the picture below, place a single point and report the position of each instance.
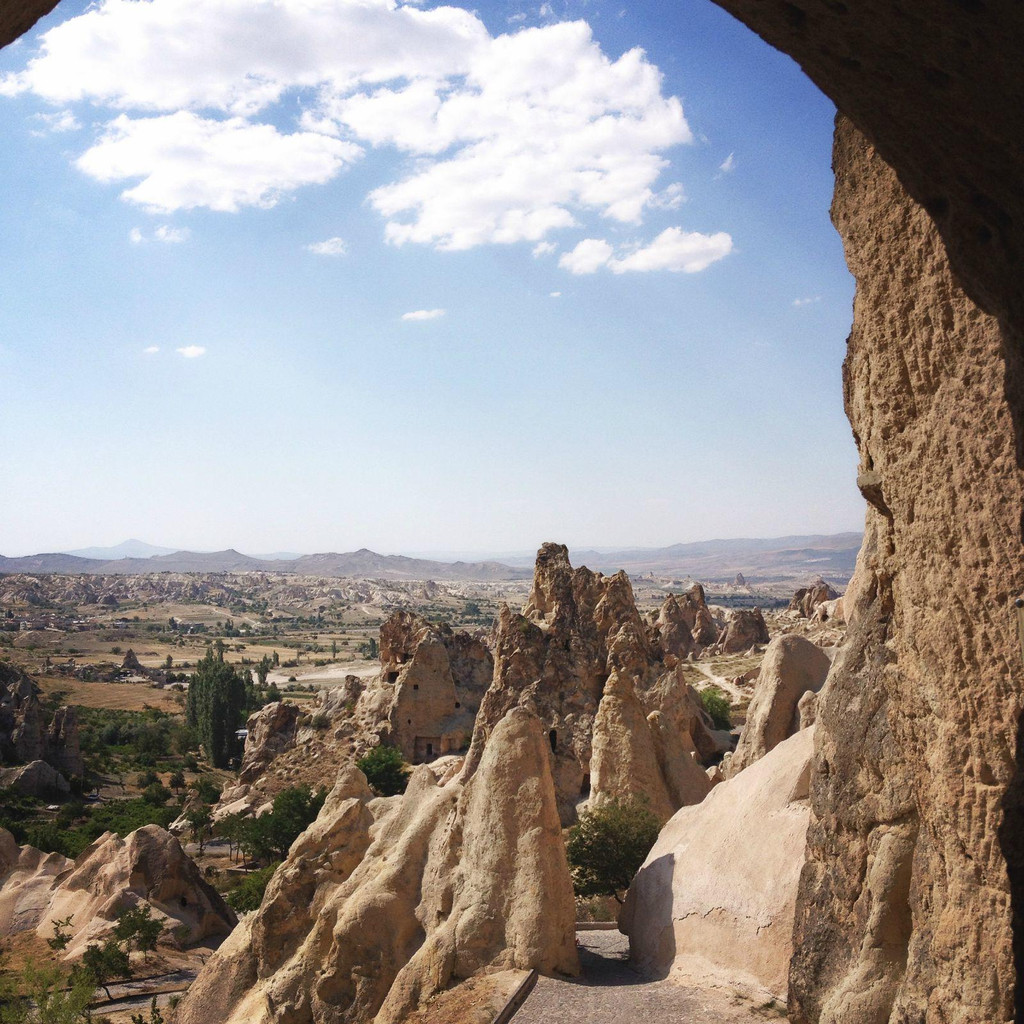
(715, 900)
(455, 881)
(24, 733)
(37, 778)
(792, 666)
(744, 627)
(806, 600)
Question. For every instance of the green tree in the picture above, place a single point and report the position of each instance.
(248, 894)
(199, 820)
(216, 701)
(607, 846)
(137, 927)
(717, 705)
(263, 667)
(100, 965)
(384, 769)
(177, 780)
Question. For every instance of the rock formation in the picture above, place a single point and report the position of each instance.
(367, 922)
(744, 628)
(24, 734)
(111, 875)
(618, 721)
(792, 666)
(20, 16)
(905, 902)
(37, 778)
(806, 600)
(715, 900)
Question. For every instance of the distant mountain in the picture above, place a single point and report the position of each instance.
(830, 555)
(126, 549)
(360, 564)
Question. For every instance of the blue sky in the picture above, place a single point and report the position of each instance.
(630, 308)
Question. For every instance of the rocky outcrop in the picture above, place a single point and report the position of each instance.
(37, 778)
(114, 874)
(24, 734)
(806, 600)
(905, 910)
(714, 902)
(20, 16)
(618, 720)
(455, 880)
(431, 682)
(792, 666)
(685, 624)
(744, 628)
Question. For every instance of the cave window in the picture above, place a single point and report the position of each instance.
(553, 739)
(585, 786)
(458, 704)
(392, 676)
(415, 686)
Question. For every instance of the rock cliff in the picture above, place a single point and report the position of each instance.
(367, 922)
(904, 909)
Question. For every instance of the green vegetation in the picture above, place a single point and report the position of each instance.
(267, 838)
(216, 701)
(248, 894)
(607, 846)
(384, 769)
(716, 704)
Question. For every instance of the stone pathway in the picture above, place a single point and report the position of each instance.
(610, 991)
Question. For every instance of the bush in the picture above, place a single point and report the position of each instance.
(156, 795)
(384, 769)
(248, 894)
(716, 704)
(607, 846)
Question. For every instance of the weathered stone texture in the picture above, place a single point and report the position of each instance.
(19, 16)
(904, 912)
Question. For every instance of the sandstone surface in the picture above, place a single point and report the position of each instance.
(367, 922)
(111, 875)
(807, 599)
(714, 902)
(744, 628)
(37, 778)
(792, 666)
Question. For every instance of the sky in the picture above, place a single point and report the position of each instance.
(316, 275)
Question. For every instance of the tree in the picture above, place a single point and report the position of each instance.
(717, 705)
(263, 667)
(199, 820)
(216, 701)
(101, 965)
(177, 780)
(137, 926)
(384, 769)
(607, 846)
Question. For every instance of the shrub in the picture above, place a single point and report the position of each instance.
(716, 704)
(384, 769)
(248, 894)
(156, 795)
(607, 846)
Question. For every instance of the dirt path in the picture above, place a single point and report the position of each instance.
(610, 991)
(721, 682)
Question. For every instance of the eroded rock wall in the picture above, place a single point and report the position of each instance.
(904, 911)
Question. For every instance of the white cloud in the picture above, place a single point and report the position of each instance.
(57, 122)
(423, 314)
(588, 257)
(555, 295)
(171, 235)
(191, 351)
(544, 249)
(186, 161)
(678, 251)
(670, 198)
(513, 135)
(728, 165)
(151, 350)
(329, 247)
(136, 237)
(807, 301)
(674, 250)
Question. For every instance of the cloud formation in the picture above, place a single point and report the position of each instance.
(674, 250)
(510, 137)
(191, 351)
(329, 247)
(806, 302)
(151, 350)
(423, 314)
(728, 165)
